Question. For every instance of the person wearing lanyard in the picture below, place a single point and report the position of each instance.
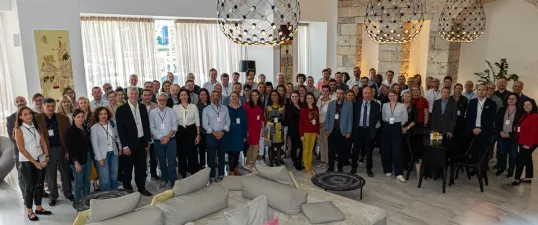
(527, 138)
(33, 157)
(256, 119)
(444, 114)
(323, 104)
(216, 122)
(274, 132)
(202, 146)
(56, 125)
(461, 102)
(134, 133)
(309, 130)
(366, 114)
(163, 126)
(104, 138)
(505, 122)
(236, 137)
(98, 100)
(79, 146)
(433, 94)
(481, 113)
(394, 115)
(338, 128)
(188, 134)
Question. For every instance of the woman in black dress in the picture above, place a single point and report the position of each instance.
(407, 128)
(293, 112)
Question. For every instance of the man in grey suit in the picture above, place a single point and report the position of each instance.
(338, 126)
(19, 102)
(444, 113)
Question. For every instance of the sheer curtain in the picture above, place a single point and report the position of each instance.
(6, 99)
(202, 46)
(304, 50)
(115, 48)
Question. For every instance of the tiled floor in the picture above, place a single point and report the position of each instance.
(404, 202)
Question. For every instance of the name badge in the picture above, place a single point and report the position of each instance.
(459, 113)
(218, 119)
(51, 133)
(276, 120)
(506, 122)
(258, 117)
(336, 116)
(313, 122)
(162, 126)
(238, 120)
(518, 129)
(391, 121)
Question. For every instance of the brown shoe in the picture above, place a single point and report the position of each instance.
(232, 173)
(236, 172)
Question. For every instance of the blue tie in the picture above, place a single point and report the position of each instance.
(365, 115)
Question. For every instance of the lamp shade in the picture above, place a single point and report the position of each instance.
(245, 65)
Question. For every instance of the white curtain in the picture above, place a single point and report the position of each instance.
(115, 48)
(6, 99)
(304, 50)
(202, 46)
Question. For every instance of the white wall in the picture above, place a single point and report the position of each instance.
(418, 59)
(369, 54)
(318, 51)
(263, 55)
(511, 33)
(15, 60)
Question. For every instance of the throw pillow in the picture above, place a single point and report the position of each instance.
(272, 222)
(255, 212)
(232, 182)
(193, 183)
(82, 217)
(278, 174)
(162, 197)
(102, 209)
(322, 212)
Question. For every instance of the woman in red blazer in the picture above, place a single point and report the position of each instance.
(526, 133)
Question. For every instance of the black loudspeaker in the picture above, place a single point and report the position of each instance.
(245, 65)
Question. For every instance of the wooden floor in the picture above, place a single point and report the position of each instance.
(404, 202)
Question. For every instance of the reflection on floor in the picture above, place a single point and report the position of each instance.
(405, 203)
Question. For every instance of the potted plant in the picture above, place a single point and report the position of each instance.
(500, 70)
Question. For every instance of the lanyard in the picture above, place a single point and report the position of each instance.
(106, 130)
(97, 105)
(33, 133)
(510, 113)
(392, 110)
(218, 112)
(185, 110)
(162, 117)
(435, 94)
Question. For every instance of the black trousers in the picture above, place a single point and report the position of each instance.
(233, 159)
(391, 148)
(365, 145)
(22, 186)
(153, 161)
(338, 144)
(296, 147)
(137, 159)
(202, 149)
(524, 159)
(187, 156)
(481, 145)
(33, 179)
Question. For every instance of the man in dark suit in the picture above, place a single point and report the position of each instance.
(338, 126)
(444, 113)
(134, 132)
(366, 114)
(480, 118)
(19, 102)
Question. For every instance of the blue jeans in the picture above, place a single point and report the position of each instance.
(167, 159)
(108, 174)
(82, 178)
(507, 146)
(215, 148)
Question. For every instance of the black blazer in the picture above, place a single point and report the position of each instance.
(489, 112)
(499, 120)
(127, 126)
(374, 114)
(444, 122)
(292, 119)
(412, 115)
(78, 144)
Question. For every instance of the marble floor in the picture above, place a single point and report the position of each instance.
(405, 203)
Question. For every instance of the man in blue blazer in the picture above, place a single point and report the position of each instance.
(366, 114)
(480, 116)
(338, 126)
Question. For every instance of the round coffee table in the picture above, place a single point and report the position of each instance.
(83, 203)
(337, 181)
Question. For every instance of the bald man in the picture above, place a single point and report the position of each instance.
(19, 103)
(433, 94)
(281, 80)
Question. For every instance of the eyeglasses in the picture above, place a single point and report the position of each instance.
(161, 99)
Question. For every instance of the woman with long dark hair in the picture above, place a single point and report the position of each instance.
(104, 138)
(79, 146)
(256, 120)
(166, 87)
(275, 129)
(33, 156)
(309, 130)
(203, 102)
(507, 118)
(293, 115)
(188, 134)
(237, 135)
(526, 133)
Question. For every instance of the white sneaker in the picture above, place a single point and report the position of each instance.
(401, 178)
(388, 174)
(261, 162)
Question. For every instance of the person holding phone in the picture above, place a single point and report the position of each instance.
(31, 146)
(79, 147)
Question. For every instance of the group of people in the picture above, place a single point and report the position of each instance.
(336, 119)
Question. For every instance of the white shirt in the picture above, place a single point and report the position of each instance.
(32, 143)
(187, 117)
(432, 95)
(226, 91)
(386, 83)
(108, 131)
(161, 122)
(209, 86)
(479, 108)
(136, 114)
(352, 82)
(323, 106)
(94, 105)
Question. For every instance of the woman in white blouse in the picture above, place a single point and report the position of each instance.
(34, 156)
(105, 140)
(394, 115)
(322, 104)
(187, 135)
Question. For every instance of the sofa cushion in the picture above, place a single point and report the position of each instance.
(322, 212)
(278, 174)
(279, 196)
(102, 209)
(145, 215)
(193, 183)
(254, 212)
(186, 208)
(232, 182)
